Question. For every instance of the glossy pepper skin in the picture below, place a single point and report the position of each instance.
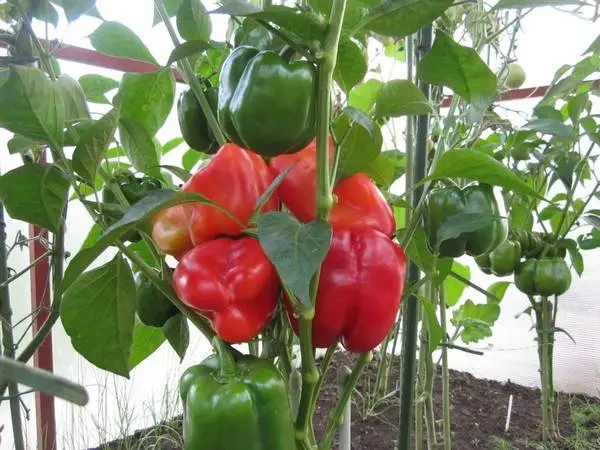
(545, 277)
(235, 405)
(193, 123)
(152, 306)
(360, 288)
(266, 104)
(358, 201)
(502, 261)
(232, 283)
(443, 203)
(234, 179)
(134, 189)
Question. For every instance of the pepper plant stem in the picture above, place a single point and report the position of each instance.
(324, 201)
(7, 338)
(411, 306)
(336, 415)
(187, 72)
(445, 377)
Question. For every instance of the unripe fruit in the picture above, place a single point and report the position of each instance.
(515, 77)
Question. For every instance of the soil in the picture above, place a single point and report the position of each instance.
(478, 414)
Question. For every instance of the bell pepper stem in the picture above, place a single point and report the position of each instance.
(336, 415)
(187, 72)
(228, 367)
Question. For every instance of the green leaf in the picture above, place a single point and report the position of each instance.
(237, 8)
(418, 252)
(358, 148)
(473, 165)
(43, 381)
(187, 49)
(594, 46)
(519, 4)
(498, 290)
(20, 144)
(306, 26)
(399, 18)
(520, 216)
(551, 126)
(73, 98)
(435, 330)
(461, 69)
(35, 193)
(190, 158)
(355, 10)
(146, 340)
(401, 98)
(180, 173)
(453, 288)
(387, 168)
(43, 11)
(98, 314)
(360, 118)
(363, 96)
(476, 319)
(75, 8)
(172, 145)
(95, 87)
(351, 66)
(139, 147)
(147, 98)
(115, 39)
(31, 105)
(171, 6)
(295, 249)
(456, 225)
(576, 259)
(177, 332)
(92, 146)
(193, 21)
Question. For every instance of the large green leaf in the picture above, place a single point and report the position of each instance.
(193, 21)
(359, 146)
(295, 249)
(146, 340)
(139, 146)
(73, 98)
(355, 10)
(399, 18)
(474, 165)
(453, 288)
(401, 98)
(147, 98)
(518, 4)
(96, 86)
(177, 332)
(461, 69)
(98, 314)
(171, 6)
(435, 329)
(32, 105)
(476, 320)
(363, 96)
(459, 224)
(387, 168)
(92, 146)
(115, 39)
(35, 193)
(75, 8)
(351, 65)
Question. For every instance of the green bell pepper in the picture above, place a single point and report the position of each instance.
(502, 260)
(447, 202)
(267, 104)
(544, 276)
(152, 306)
(235, 405)
(192, 120)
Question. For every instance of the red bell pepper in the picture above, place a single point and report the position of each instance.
(359, 203)
(360, 288)
(232, 283)
(234, 179)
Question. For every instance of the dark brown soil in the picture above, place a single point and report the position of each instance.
(478, 413)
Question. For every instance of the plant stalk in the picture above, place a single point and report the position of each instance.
(7, 338)
(187, 72)
(411, 306)
(334, 419)
(445, 376)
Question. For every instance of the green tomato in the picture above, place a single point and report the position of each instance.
(515, 77)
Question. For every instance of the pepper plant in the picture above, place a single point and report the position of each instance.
(283, 231)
